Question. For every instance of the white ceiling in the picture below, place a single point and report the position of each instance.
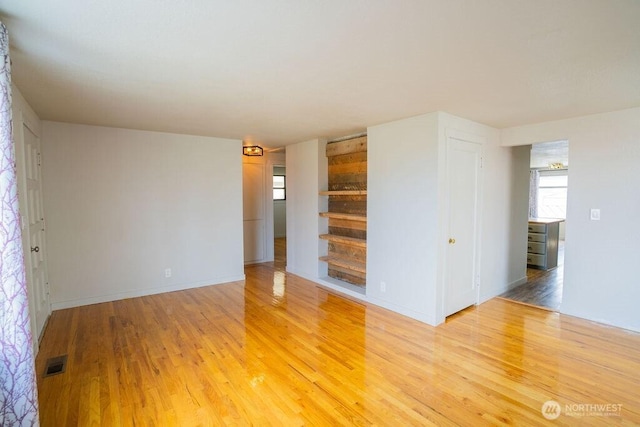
(279, 72)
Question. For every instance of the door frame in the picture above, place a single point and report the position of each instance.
(274, 158)
(21, 120)
(445, 215)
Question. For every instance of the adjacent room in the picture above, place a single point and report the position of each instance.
(319, 213)
(548, 192)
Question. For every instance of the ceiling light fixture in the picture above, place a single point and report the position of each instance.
(252, 150)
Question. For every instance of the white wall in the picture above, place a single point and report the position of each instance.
(124, 205)
(601, 281)
(402, 215)
(406, 227)
(306, 176)
(518, 214)
(407, 218)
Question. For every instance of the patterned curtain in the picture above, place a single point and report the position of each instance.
(534, 180)
(18, 392)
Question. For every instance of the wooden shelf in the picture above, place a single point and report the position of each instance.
(349, 217)
(352, 241)
(348, 264)
(346, 189)
(344, 193)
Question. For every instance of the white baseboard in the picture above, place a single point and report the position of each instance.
(327, 282)
(495, 292)
(516, 283)
(60, 305)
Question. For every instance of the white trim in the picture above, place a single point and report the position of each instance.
(344, 138)
(464, 136)
(327, 285)
(23, 116)
(510, 286)
(441, 288)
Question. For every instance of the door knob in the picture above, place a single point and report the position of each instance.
(452, 241)
(36, 249)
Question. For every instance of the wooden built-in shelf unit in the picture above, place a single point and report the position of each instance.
(347, 213)
(344, 193)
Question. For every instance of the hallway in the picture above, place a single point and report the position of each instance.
(280, 253)
(543, 288)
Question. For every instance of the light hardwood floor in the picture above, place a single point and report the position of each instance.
(279, 350)
(280, 253)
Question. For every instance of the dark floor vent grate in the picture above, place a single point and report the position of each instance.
(55, 365)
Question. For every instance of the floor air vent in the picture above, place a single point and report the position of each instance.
(55, 365)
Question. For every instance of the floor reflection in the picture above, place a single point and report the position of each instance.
(313, 351)
(279, 286)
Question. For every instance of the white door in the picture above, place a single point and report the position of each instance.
(33, 232)
(463, 181)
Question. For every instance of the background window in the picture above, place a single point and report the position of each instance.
(279, 188)
(552, 194)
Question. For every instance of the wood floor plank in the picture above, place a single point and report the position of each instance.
(543, 288)
(279, 350)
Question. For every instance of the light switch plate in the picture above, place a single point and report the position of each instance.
(595, 214)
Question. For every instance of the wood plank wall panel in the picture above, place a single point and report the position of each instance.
(347, 170)
(353, 225)
(348, 204)
(350, 276)
(348, 232)
(347, 146)
(349, 251)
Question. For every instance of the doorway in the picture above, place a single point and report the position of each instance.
(548, 190)
(279, 216)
